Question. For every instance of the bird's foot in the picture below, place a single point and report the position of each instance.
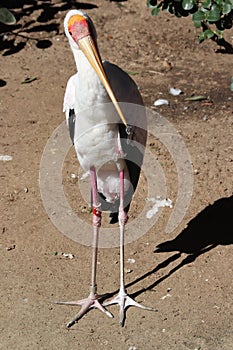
(86, 304)
(125, 301)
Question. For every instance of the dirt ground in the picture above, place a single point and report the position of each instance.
(190, 280)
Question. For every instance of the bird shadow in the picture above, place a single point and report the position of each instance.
(210, 228)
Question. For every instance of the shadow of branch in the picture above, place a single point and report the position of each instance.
(33, 17)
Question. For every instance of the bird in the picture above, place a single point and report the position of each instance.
(107, 125)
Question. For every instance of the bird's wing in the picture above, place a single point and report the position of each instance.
(68, 106)
(133, 145)
(130, 99)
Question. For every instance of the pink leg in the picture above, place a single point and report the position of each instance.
(122, 299)
(93, 299)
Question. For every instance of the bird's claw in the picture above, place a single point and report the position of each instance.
(86, 305)
(125, 301)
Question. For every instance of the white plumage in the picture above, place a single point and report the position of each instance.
(96, 133)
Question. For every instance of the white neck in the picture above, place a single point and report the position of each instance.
(88, 79)
(89, 92)
(81, 61)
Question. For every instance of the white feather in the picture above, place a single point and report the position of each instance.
(96, 135)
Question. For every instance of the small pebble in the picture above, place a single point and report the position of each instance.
(10, 247)
(68, 255)
(131, 261)
(166, 296)
(161, 102)
(175, 92)
(5, 158)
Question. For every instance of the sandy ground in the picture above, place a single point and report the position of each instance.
(189, 281)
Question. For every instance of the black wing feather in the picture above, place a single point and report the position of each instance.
(71, 124)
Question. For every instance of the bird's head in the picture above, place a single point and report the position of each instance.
(78, 25)
(81, 34)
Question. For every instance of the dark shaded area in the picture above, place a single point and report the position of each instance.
(2, 83)
(211, 227)
(14, 48)
(226, 47)
(38, 16)
(43, 44)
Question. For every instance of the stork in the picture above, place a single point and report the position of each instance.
(103, 139)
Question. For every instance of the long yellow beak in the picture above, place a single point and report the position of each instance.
(88, 47)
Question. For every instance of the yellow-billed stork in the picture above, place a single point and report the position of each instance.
(105, 142)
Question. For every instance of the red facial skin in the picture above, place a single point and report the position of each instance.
(78, 27)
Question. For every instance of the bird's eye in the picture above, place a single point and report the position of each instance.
(70, 33)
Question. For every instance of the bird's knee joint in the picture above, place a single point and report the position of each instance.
(122, 217)
(96, 216)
